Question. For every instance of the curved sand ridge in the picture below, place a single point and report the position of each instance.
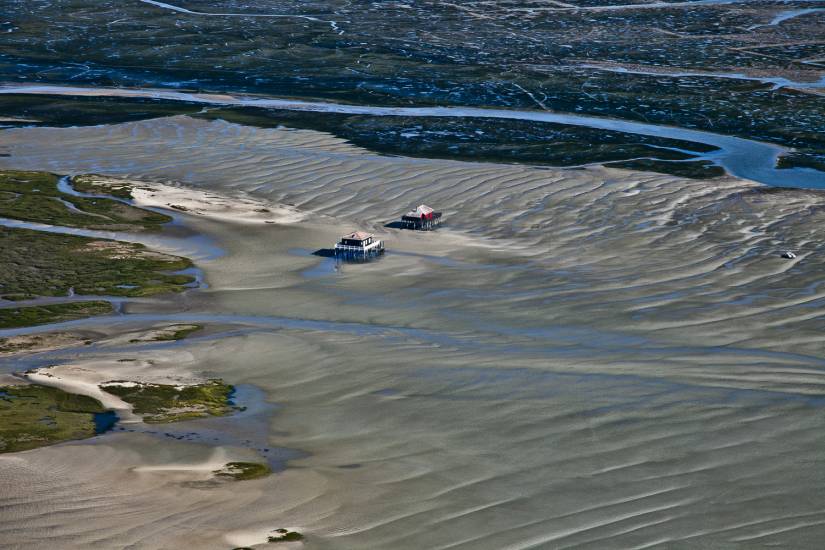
(592, 358)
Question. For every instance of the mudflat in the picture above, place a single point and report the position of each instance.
(593, 357)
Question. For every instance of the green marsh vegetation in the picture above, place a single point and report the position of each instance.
(240, 471)
(496, 54)
(698, 169)
(474, 139)
(61, 111)
(285, 535)
(489, 140)
(95, 185)
(161, 403)
(42, 264)
(34, 416)
(14, 317)
(36, 263)
(34, 197)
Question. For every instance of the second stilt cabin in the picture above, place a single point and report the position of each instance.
(422, 218)
(358, 246)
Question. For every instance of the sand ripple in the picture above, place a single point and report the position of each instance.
(580, 358)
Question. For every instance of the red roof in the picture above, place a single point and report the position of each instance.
(422, 210)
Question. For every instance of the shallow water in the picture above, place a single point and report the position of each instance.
(583, 358)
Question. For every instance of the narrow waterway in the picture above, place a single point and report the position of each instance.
(741, 157)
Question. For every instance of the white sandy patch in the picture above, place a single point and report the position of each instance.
(212, 205)
(35, 343)
(198, 202)
(82, 381)
(87, 377)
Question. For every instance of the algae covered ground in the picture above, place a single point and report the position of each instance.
(35, 197)
(33, 416)
(36, 263)
(13, 317)
(159, 403)
(34, 343)
(177, 332)
(241, 471)
(95, 185)
(285, 535)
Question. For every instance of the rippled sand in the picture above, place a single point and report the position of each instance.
(591, 358)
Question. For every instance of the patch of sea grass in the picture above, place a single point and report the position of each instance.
(35, 197)
(13, 317)
(161, 403)
(34, 416)
(241, 471)
(35, 263)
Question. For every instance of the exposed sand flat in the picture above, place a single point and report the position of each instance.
(86, 377)
(41, 342)
(197, 202)
(161, 333)
(578, 358)
(83, 381)
(104, 494)
(608, 228)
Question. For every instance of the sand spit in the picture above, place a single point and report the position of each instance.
(87, 377)
(82, 381)
(36, 343)
(198, 202)
(107, 337)
(211, 205)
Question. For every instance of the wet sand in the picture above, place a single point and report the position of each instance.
(580, 358)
